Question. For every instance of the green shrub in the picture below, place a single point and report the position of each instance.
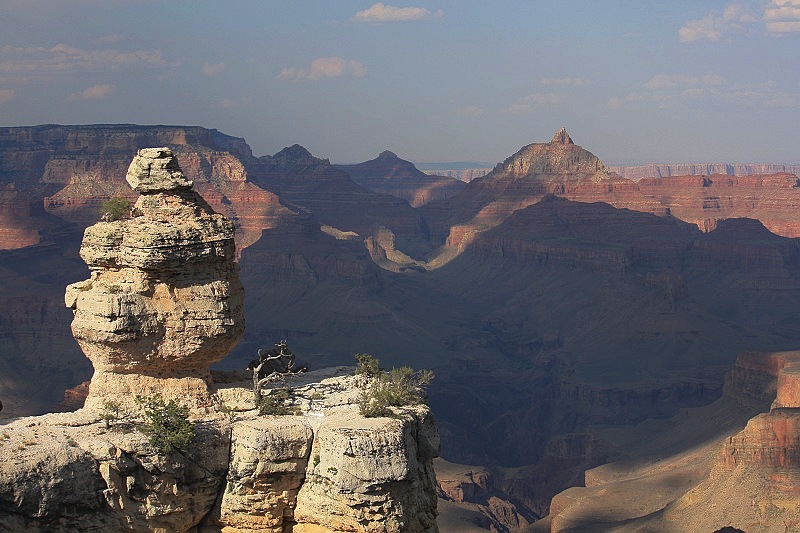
(115, 209)
(166, 425)
(110, 413)
(278, 402)
(398, 388)
(367, 365)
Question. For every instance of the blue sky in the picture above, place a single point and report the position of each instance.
(633, 81)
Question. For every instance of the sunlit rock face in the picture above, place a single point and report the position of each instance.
(164, 299)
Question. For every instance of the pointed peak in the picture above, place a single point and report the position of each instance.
(386, 154)
(295, 155)
(562, 137)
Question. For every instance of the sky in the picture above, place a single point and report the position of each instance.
(633, 81)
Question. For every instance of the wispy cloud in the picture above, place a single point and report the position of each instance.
(715, 25)
(536, 100)
(381, 12)
(6, 95)
(668, 90)
(324, 67)
(782, 16)
(95, 92)
(228, 103)
(66, 58)
(673, 81)
(212, 70)
(575, 82)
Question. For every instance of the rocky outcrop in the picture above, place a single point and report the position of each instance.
(388, 174)
(323, 469)
(164, 298)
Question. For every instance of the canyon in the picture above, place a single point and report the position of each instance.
(163, 302)
(550, 296)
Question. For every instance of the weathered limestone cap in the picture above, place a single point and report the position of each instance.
(156, 170)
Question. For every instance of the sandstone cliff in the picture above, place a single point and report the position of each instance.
(71, 170)
(164, 298)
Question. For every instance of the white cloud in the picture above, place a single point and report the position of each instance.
(6, 95)
(66, 58)
(782, 16)
(212, 70)
(324, 67)
(715, 25)
(381, 12)
(576, 82)
(676, 81)
(535, 100)
(95, 92)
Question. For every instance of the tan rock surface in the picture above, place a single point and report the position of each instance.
(164, 299)
(326, 469)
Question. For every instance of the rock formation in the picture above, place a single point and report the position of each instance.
(325, 469)
(162, 303)
(659, 170)
(772, 199)
(164, 299)
(748, 480)
(388, 174)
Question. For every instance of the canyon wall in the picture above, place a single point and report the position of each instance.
(662, 170)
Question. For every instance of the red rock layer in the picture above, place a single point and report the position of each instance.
(705, 200)
(16, 225)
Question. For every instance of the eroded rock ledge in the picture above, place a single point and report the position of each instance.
(327, 469)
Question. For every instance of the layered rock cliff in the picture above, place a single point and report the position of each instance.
(689, 476)
(663, 170)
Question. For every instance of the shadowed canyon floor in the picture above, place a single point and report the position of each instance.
(543, 311)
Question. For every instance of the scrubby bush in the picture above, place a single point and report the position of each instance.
(398, 388)
(278, 402)
(367, 365)
(115, 209)
(167, 424)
